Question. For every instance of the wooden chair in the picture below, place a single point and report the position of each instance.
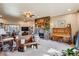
(1, 46)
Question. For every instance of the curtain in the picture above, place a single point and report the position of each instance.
(77, 41)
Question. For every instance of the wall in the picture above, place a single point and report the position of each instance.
(72, 19)
(27, 24)
(78, 21)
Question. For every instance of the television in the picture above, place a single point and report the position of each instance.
(25, 29)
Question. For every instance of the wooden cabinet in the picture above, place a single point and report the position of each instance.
(61, 34)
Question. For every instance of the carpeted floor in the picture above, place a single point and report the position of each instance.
(43, 48)
(2, 54)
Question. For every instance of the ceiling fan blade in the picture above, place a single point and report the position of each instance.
(32, 15)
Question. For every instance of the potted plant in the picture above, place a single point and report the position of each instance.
(69, 52)
(77, 53)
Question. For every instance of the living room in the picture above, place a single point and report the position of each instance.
(30, 29)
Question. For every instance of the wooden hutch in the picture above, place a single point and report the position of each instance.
(62, 34)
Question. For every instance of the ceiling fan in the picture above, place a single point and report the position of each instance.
(28, 16)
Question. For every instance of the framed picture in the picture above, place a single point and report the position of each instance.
(43, 22)
(59, 23)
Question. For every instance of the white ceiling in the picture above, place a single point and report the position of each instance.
(38, 9)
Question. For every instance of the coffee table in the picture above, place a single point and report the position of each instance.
(34, 44)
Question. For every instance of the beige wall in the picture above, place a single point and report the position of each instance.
(78, 20)
(72, 19)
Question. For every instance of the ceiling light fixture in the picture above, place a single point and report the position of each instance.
(28, 14)
(68, 9)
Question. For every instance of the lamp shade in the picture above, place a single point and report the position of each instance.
(1, 19)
